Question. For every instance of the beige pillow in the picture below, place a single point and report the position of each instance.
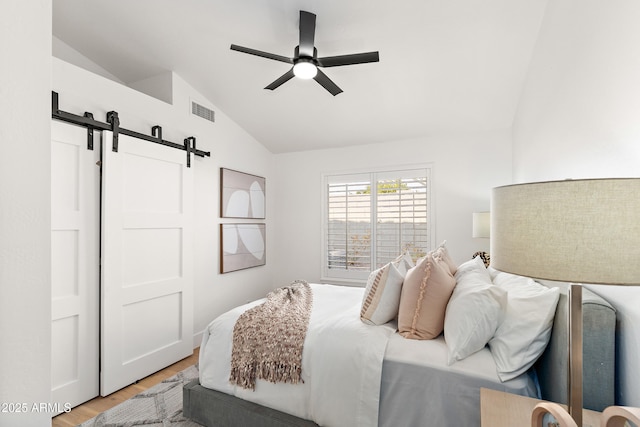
(382, 295)
(444, 254)
(425, 293)
(447, 258)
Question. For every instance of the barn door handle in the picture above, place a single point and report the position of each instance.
(112, 117)
(89, 131)
(189, 148)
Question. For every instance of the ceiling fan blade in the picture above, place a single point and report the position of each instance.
(280, 80)
(307, 33)
(327, 83)
(261, 53)
(356, 58)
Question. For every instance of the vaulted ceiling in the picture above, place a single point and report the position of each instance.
(445, 65)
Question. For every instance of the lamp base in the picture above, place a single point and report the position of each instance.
(574, 389)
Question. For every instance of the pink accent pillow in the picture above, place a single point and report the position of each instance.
(425, 293)
(444, 255)
(444, 252)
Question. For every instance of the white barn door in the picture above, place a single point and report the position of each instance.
(75, 228)
(147, 260)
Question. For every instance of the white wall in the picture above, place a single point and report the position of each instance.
(579, 117)
(465, 168)
(230, 146)
(63, 51)
(25, 267)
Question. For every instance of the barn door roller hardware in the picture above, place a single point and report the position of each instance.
(113, 125)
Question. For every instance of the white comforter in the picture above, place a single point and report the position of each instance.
(341, 362)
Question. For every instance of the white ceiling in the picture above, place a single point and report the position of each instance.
(445, 65)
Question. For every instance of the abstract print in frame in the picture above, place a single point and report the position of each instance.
(242, 195)
(243, 246)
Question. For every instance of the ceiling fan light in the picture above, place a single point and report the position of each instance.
(305, 69)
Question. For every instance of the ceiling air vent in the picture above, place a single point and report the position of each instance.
(202, 111)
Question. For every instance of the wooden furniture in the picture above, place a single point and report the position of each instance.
(543, 409)
(617, 416)
(499, 409)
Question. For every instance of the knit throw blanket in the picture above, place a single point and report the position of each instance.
(268, 338)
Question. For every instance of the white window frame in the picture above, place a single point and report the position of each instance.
(360, 277)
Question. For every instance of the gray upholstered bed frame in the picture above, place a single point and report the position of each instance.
(212, 408)
(599, 342)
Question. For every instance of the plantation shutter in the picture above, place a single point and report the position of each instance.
(371, 218)
(349, 223)
(402, 223)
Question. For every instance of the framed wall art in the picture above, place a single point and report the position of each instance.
(242, 195)
(242, 246)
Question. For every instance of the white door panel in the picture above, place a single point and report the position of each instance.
(75, 231)
(147, 260)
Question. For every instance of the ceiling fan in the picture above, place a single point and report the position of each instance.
(305, 58)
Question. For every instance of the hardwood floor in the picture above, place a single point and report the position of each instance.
(90, 409)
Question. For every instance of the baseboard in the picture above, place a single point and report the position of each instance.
(197, 339)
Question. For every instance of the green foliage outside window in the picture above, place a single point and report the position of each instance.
(387, 187)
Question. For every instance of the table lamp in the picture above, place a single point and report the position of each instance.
(577, 231)
(481, 227)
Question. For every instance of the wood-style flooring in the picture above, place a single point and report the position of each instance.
(92, 408)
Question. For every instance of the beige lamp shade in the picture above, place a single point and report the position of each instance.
(481, 225)
(582, 231)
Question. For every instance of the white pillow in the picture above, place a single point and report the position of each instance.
(492, 272)
(474, 312)
(525, 331)
(404, 263)
(472, 319)
(471, 274)
(382, 295)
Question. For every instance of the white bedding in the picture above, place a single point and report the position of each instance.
(418, 388)
(352, 370)
(341, 362)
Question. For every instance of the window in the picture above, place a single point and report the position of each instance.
(365, 229)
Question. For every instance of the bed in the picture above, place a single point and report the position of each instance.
(398, 381)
